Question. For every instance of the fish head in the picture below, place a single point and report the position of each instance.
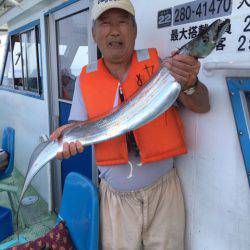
(207, 40)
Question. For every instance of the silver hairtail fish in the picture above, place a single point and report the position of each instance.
(146, 104)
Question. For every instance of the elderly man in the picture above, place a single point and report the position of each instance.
(147, 208)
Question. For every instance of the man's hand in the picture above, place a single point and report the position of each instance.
(184, 69)
(68, 149)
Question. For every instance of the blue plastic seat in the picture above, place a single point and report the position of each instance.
(80, 210)
(6, 180)
(6, 227)
(8, 145)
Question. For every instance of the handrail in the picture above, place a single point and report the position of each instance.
(231, 65)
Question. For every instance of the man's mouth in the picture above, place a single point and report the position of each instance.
(115, 44)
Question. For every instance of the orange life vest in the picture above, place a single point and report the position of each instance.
(160, 139)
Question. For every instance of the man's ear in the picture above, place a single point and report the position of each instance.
(135, 30)
(94, 33)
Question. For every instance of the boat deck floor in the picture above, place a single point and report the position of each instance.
(37, 218)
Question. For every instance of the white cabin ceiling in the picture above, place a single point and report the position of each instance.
(6, 5)
(10, 9)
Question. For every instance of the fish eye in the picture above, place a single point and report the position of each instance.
(205, 40)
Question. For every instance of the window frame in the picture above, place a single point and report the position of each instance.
(35, 25)
(60, 96)
(237, 88)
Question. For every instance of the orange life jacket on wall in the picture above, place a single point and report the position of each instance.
(159, 139)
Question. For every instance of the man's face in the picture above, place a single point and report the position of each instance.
(65, 80)
(115, 33)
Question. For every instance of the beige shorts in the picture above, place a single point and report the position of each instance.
(151, 218)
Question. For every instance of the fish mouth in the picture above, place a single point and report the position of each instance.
(220, 27)
(223, 25)
(215, 30)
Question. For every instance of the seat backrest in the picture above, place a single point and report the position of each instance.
(80, 210)
(8, 145)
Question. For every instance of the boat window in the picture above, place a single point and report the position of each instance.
(22, 66)
(81, 58)
(30, 61)
(17, 61)
(3, 47)
(72, 51)
(239, 89)
(7, 76)
(62, 49)
(247, 94)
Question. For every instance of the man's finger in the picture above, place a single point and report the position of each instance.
(72, 148)
(180, 71)
(55, 135)
(179, 79)
(79, 147)
(169, 65)
(186, 59)
(66, 151)
(58, 132)
(183, 65)
(52, 136)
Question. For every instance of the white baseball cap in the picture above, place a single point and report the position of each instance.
(100, 6)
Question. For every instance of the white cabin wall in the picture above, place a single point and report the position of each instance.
(213, 176)
(29, 116)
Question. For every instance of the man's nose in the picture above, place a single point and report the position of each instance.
(114, 29)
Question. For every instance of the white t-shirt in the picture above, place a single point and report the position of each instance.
(124, 177)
